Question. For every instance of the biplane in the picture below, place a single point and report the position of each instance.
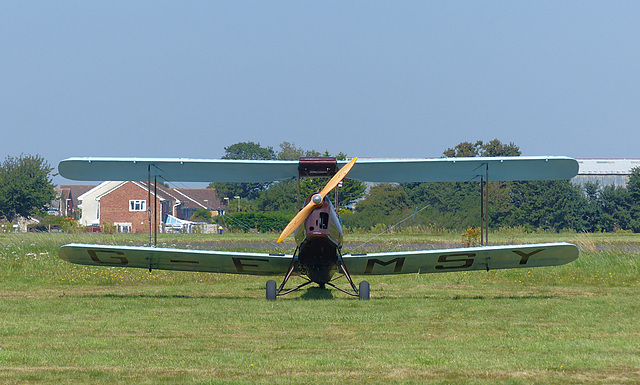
(318, 255)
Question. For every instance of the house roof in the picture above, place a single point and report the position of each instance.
(188, 198)
(199, 198)
(164, 193)
(607, 166)
(97, 189)
(72, 191)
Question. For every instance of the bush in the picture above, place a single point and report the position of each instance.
(108, 228)
(260, 221)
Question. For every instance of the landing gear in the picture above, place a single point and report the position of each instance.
(317, 274)
(271, 290)
(363, 290)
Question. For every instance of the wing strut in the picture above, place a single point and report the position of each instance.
(149, 200)
(486, 213)
(155, 211)
(484, 207)
(153, 223)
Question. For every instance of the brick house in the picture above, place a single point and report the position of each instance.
(126, 207)
(124, 204)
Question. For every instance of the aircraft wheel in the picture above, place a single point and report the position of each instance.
(271, 290)
(363, 290)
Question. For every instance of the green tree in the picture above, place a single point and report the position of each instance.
(384, 204)
(283, 195)
(621, 206)
(634, 191)
(350, 190)
(289, 151)
(494, 148)
(612, 208)
(449, 205)
(552, 205)
(592, 213)
(280, 195)
(25, 186)
(617, 207)
(464, 149)
(634, 184)
(457, 204)
(497, 148)
(248, 151)
(202, 214)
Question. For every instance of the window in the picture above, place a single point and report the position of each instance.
(137, 205)
(123, 227)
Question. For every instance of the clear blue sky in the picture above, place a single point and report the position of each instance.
(368, 78)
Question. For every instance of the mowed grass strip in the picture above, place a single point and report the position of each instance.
(573, 324)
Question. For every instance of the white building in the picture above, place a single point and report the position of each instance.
(607, 172)
(89, 203)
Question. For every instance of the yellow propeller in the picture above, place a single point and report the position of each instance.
(316, 200)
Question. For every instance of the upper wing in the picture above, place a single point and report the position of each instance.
(509, 168)
(177, 169)
(473, 258)
(176, 259)
(370, 170)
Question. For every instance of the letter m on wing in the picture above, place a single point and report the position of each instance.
(399, 262)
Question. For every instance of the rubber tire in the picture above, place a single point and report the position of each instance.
(364, 290)
(271, 290)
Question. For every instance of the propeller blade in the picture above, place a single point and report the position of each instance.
(297, 221)
(316, 201)
(338, 177)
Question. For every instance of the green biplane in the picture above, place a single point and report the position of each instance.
(318, 256)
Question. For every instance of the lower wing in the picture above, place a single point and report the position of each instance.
(472, 258)
(176, 259)
(403, 262)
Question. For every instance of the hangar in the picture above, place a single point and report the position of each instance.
(606, 172)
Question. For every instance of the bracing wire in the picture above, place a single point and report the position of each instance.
(240, 224)
(236, 221)
(412, 216)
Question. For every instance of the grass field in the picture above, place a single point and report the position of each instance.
(572, 324)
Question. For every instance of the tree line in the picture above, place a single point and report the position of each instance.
(26, 189)
(535, 205)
